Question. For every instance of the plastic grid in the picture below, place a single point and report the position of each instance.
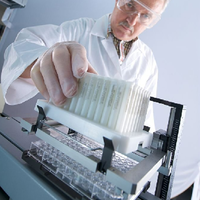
(87, 147)
(93, 185)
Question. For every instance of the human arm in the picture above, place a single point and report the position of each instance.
(29, 46)
(55, 73)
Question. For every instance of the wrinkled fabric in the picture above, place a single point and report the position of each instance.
(139, 66)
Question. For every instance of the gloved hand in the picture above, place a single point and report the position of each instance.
(55, 73)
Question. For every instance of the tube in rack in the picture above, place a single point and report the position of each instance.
(131, 110)
(109, 103)
(102, 100)
(95, 98)
(82, 94)
(117, 105)
(124, 107)
(75, 98)
(88, 98)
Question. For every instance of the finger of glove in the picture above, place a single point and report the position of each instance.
(51, 80)
(78, 60)
(62, 62)
(38, 80)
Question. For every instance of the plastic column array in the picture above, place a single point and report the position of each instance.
(116, 104)
(92, 184)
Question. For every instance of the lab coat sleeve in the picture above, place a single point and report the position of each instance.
(30, 44)
(20, 54)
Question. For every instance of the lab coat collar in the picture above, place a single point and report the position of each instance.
(101, 26)
(100, 29)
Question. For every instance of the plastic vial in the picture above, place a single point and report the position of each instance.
(116, 106)
(95, 98)
(109, 103)
(124, 108)
(88, 97)
(102, 100)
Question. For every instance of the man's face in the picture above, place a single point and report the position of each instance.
(127, 27)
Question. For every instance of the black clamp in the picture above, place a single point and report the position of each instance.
(107, 155)
(41, 116)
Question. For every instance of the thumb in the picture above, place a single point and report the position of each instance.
(91, 69)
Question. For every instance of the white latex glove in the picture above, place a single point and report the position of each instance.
(55, 73)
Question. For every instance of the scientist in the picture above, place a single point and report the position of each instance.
(49, 59)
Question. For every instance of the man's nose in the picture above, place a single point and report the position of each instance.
(132, 19)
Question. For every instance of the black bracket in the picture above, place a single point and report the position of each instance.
(162, 136)
(107, 155)
(171, 143)
(41, 116)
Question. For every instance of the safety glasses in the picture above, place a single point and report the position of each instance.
(145, 15)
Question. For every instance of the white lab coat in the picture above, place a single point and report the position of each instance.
(139, 65)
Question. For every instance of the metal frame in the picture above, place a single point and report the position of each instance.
(173, 135)
(159, 157)
(131, 182)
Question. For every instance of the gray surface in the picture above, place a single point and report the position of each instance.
(18, 180)
(12, 129)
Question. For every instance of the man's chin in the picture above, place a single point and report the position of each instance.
(125, 35)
